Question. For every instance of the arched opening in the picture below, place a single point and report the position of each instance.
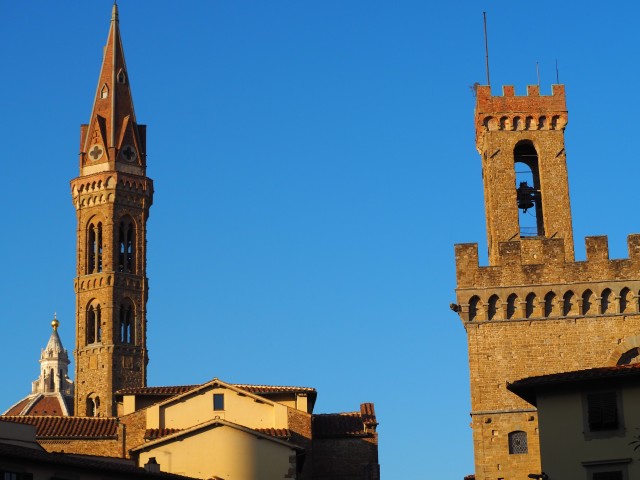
(473, 308)
(569, 306)
(607, 304)
(511, 305)
(126, 245)
(549, 304)
(630, 356)
(529, 198)
(52, 383)
(530, 305)
(587, 301)
(93, 324)
(626, 301)
(126, 328)
(93, 405)
(494, 308)
(94, 248)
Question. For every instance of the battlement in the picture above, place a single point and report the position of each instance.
(536, 260)
(509, 102)
(533, 280)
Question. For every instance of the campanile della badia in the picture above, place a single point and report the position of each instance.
(112, 196)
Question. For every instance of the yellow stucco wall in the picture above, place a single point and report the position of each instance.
(230, 454)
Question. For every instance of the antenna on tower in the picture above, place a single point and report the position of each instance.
(557, 74)
(486, 47)
(538, 72)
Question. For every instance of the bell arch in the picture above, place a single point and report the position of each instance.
(528, 195)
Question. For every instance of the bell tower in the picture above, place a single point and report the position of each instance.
(526, 189)
(112, 197)
(534, 310)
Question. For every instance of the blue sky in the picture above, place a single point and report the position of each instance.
(314, 164)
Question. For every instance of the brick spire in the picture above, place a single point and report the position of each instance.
(112, 138)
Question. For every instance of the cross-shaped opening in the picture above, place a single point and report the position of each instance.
(129, 153)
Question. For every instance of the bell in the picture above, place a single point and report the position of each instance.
(526, 196)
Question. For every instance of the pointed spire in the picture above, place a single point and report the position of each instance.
(113, 135)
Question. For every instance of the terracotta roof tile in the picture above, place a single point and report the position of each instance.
(155, 433)
(167, 390)
(178, 389)
(275, 432)
(527, 387)
(347, 424)
(69, 427)
(18, 407)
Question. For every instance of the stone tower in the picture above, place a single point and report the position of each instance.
(534, 310)
(112, 197)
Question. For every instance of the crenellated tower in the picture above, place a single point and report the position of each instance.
(534, 310)
(112, 197)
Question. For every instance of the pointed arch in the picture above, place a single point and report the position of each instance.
(93, 324)
(94, 246)
(104, 91)
(126, 245)
(126, 325)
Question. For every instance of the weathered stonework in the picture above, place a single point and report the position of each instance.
(112, 197)
(534, 310)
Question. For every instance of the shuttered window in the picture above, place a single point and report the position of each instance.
(602, 412)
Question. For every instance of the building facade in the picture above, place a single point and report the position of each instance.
(533, 310)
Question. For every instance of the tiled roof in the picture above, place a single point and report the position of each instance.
(43, 404)
(527, 387)
(18, 407)
(275, 432)
(154, 433)
(32, 456)
(348, 424)
(48, 427)
(262, 389)
(168, 390)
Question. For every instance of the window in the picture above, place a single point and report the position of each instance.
(94, 248)
(126, 322)
(126, 246)
(602, 411)
(94, 324)
(611, 475)
(218, 401)
(518, 442)
(529, 199)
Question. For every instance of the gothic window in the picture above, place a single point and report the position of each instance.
(569, 306)
(126, 330)
(549, 304)
(126, 246)
(528, 196)
(511, 305)
(104, 93)
(94, 248)
(121, 77)
(518, 442)
(94, 326)
(530, 305)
